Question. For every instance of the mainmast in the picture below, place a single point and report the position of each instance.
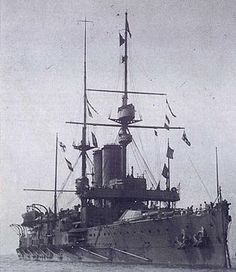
(126, 113)
(125, 97)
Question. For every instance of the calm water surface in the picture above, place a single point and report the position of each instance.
(10, 263)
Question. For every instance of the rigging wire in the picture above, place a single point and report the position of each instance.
(202, 182)
(136, 102)
(69, 175)
(67, 180)
(132, 80)
(144, 160)
(144, 152)
(71, 201)
(136, 157)
(140, 66)
(145, 163)
(91, 164)
(196, 171)
(117, 83)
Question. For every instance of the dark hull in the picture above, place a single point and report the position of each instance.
(150, 241)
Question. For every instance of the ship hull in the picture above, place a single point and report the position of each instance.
(150, 241)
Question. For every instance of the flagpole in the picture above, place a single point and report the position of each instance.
(168, 157)
(55, 184)
(217, 176)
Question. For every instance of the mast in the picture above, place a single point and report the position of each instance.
(82, 182)
(125, 112)
(83, 147)
(85, 104)
(218, 193)
(125, 98)
(55, 184)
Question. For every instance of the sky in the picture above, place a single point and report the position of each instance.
(184, 48)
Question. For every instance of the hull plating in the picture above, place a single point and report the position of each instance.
(155, 241)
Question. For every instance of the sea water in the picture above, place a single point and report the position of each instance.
(10, 263)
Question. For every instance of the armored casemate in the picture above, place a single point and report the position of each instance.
(119, 217)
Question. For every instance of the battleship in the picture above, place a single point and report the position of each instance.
(118, 218)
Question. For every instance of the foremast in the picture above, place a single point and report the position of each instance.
(84, 146)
